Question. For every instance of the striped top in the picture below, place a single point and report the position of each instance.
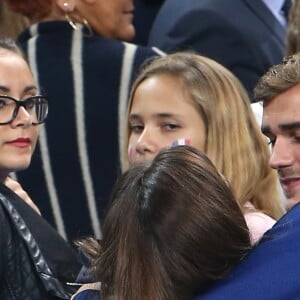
(87, 81)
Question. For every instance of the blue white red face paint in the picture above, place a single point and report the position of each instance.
(181, 142)
(132, 155)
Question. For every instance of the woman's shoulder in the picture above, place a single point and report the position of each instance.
(89, 291)
(257, 222)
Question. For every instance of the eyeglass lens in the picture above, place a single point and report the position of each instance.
(36, 107)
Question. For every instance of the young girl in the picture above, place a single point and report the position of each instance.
(190, 97)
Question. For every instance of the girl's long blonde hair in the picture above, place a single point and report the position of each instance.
(234, 141)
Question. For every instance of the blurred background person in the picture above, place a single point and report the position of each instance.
(74, 51)
(11, 24)
(293, 29)
(145, 12)
(246, 36)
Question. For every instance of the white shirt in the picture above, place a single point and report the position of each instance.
(275, 8)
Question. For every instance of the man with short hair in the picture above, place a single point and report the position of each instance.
(279, 90)
(271, 269)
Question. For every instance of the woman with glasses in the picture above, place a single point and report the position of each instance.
(77, 53)
(35, 262)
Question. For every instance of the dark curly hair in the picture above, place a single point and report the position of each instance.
(37, 9)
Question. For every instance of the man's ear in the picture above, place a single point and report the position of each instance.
(66, 5)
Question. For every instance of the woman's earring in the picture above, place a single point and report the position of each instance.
(66, 5)
(67, 9)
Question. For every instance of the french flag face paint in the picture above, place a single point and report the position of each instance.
(130, 154)
(181, 142)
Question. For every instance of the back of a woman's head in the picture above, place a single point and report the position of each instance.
(173, 225)
(234, 142)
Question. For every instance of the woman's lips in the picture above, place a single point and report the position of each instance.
(20, 142)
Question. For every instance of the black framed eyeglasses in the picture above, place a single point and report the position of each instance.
(36, 107)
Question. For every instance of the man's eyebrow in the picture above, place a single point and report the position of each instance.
(289, 126)
(283, 127)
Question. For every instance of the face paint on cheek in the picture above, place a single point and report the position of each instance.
(181, 142)
(130, 153)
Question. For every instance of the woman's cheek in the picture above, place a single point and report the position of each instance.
(181, 142)
(130, 154)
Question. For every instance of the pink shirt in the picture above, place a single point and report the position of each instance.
(257, 222)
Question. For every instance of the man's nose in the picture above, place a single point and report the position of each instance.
(282, 154)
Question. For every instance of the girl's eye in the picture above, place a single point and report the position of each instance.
(171, 126)
(136, 128)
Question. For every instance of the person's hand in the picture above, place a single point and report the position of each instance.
(17, 188)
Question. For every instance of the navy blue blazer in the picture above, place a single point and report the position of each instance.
(145, 12)
(242, 35)
(270, 271)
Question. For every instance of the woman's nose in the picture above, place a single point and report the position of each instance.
(22, 119)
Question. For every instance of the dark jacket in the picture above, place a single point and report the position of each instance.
(35, 262)
(242, 35)
(144, 15)
(270, 271)
(87, 81)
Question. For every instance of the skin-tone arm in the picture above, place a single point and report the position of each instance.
(17, 188)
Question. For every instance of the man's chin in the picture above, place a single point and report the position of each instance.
(291, 202)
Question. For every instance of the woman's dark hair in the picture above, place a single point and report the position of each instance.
(173, 226)
(33, 9)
